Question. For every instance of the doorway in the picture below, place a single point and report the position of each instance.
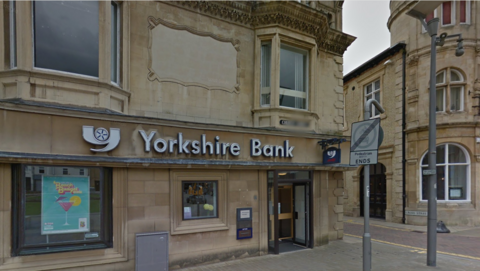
(289, 206)
(378, 191)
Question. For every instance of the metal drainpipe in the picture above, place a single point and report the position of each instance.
(404, 126)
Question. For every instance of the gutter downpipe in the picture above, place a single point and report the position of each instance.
(404, 127)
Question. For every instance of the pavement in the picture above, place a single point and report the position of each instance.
(394, 247)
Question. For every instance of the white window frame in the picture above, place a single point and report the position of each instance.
(452, 14)
(291, 92)
(447, 85)
(118, 35)
(467, 12)
(444, 94)
(265, 90)
(446, 164)
(457, 84)
(372, 94)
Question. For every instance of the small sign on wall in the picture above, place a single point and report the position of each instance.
(417, 213)
(244, 223)
(331, 155)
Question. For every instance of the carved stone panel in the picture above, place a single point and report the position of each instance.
(189, 57)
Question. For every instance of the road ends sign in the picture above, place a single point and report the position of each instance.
(364, 142)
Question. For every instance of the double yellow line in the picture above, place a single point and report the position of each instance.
(375, 225)
(416, 248)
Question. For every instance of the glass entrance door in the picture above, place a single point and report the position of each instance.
(301, 213)
(289, 210)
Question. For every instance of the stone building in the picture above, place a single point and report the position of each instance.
(198, 119)
(404, 81)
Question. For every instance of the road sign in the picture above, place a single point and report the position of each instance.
(363, 158)
(365, 142)
(429, 172)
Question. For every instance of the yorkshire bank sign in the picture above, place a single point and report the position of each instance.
(111, 139)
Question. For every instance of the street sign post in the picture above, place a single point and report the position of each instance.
(365, 142)
(366, 138)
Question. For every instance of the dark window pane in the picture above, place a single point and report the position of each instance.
(440, 183)
(66, 36)
(457, 182)
(294, 175)
(441, 154)
(199, 200)
(377, 85)
(447, 13)
(288, 101)
(463, 11)
(456, 155)
(114, 44)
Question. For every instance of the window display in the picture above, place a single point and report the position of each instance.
(58, 212)
(199, 200)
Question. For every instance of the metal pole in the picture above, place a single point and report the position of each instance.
(367, 240)
(432, 153)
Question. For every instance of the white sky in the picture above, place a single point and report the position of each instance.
(366, 20)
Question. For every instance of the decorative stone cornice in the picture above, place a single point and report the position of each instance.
(336, 42)
(288, 14)
(239, 12)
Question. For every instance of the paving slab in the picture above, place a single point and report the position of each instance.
(344, 255)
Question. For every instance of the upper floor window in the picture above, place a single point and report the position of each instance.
(66, 36)
(448, 13)
(450, 90)
(293, 77)
(465, 12)
(372, 91)
(265, 91)
(453, 177)
(12, 33)
(115, 42)
(293, 90)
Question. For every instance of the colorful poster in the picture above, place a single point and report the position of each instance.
(65, 204)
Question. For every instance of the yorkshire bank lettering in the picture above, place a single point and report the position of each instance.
(216, 147)
(100, 136)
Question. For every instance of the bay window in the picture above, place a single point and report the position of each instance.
(115, 44)
(12, 33)
(265, 90)
(453, 173)
(66, 36)
(293, 76)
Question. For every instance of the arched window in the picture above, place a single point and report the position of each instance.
(453, 173)
(450, 90)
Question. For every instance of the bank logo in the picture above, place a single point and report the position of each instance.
(331, 154)
(101, 136)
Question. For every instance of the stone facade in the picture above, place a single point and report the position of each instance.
(187, 69)
(456, 123)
